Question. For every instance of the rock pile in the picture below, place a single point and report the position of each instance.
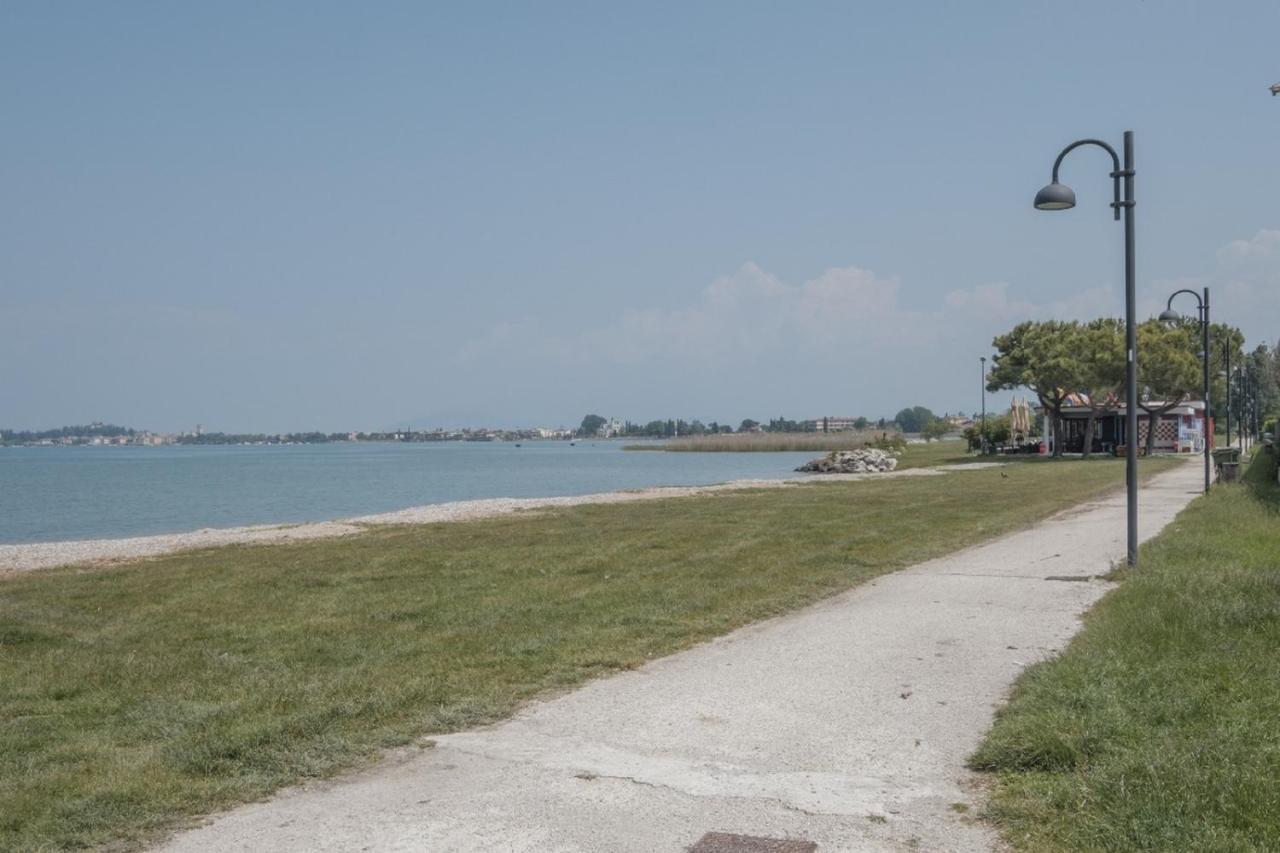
(868, 460)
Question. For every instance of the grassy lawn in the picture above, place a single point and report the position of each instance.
(946, 453)
(135, 696)
(1159, 726)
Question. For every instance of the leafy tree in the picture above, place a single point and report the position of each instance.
(998, 432)
(893, 443)
(935, 429)
(1266, 374)
(1168, 368)
(1101, 363)
(1262, 375)
(860, 423)
(781, 424)
(914, 419)
(747, 425)
(1042, 356)
(591, 425)
(1222, 336)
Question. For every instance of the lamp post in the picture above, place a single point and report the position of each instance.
(1057, 196)
(1168, 315)
(1251, 405)
(1240, 418)
(1226, 371)
(983, 442)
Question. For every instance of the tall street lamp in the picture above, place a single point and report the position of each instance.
(1240, 425)
(1226, 371)
(983, 442)
(1168, 315)
(1057, 196)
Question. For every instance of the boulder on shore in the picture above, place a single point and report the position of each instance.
(867, 460)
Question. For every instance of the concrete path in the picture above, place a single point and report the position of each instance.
(846, 724)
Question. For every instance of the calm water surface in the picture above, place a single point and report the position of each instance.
(57, 493)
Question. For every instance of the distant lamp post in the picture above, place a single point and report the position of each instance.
(1168, 315)
(983, 441)
(1226, 372)
(1239, 377)
(1058, 196)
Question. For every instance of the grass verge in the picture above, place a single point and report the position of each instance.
(135, 696)
(1156, 729)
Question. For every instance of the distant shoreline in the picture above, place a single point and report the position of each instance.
(18, 559)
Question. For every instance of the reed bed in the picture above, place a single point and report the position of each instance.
(767, 442)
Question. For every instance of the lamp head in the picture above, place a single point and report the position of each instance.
(1170, 317)
(1056, 196)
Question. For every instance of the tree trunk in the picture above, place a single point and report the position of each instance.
(1058, 432)
(1088, 434)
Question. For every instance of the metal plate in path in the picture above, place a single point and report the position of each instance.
(725, 842)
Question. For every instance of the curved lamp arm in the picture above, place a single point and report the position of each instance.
(1116, 173)
(1199, 301)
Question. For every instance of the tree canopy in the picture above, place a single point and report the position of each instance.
(1054, 358)
(591, 425)
(914, 419)
(1043, 356)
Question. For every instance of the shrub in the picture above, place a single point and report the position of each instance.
(997, 432)
(890, 442)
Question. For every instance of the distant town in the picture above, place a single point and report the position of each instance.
(97, 434)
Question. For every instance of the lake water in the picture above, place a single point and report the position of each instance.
(49, 494)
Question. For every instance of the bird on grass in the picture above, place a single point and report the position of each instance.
(1004, 475)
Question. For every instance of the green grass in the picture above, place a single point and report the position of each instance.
(948, 453)
(1159, 726)
(134, 697)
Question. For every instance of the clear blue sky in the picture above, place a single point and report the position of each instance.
(330, 215)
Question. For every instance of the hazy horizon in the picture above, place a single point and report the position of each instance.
(313, 216)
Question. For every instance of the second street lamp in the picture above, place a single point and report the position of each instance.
(983, 441)
(1168, 315)
(1226, 371)
(1057, 196)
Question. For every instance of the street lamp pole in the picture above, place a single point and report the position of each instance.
(1057, 196)
(1239, 419)
(1168, 315)
(983, 442)
(1226, 357)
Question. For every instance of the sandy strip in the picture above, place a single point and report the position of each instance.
(44, 555)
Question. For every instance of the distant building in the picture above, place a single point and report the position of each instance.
(831, 423)
(1182, 429)
(610, 428)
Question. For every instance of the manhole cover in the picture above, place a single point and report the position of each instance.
(727, 842)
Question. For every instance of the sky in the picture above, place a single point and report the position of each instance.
(311, 215)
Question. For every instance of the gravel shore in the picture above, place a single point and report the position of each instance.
(43, 555)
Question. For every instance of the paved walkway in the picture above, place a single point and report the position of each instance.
(846, 724)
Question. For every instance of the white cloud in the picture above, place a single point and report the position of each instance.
(849, 339)
(752, 314)
(1262, 245)
(994, 300)
(1244, 286)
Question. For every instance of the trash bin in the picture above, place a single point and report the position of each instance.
(1226, 454)
(1229, 472)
